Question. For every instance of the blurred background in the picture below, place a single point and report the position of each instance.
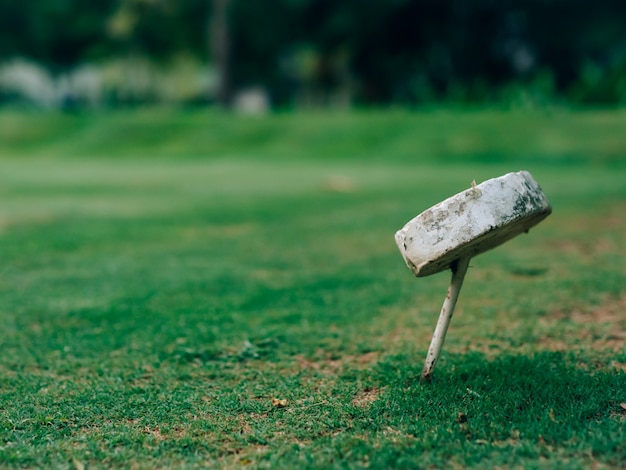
(259, 55)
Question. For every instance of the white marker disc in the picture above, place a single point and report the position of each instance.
(472, 222)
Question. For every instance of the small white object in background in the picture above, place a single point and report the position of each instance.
(449, 234)
(252, 102)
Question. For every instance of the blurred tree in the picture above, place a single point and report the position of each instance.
(58, 33)
(159, 28)
(219, 30)
(323, 51)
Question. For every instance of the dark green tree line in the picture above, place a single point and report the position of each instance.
(372, 51)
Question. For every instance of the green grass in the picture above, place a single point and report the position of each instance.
(202, 290)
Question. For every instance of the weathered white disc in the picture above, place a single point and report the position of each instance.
(472, 222)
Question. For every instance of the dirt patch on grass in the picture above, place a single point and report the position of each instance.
(586, 248)
(587, 236)
(155, 432)
(600, 327)
(333, 365)
(367, 396)
(612, 310)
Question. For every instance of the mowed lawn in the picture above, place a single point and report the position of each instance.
(195, 289)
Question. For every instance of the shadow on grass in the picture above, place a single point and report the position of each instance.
(549, 397)
(549, 410)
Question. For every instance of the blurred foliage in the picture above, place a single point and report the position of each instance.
(326, 52)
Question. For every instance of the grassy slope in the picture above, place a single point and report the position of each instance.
(167, 279)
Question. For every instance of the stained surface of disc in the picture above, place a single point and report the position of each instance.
(472, 222)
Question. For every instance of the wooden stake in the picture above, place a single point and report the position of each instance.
(459, 268)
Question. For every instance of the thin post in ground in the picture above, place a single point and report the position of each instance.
(459, 268)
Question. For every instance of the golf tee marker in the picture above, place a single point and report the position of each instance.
(450, 233)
